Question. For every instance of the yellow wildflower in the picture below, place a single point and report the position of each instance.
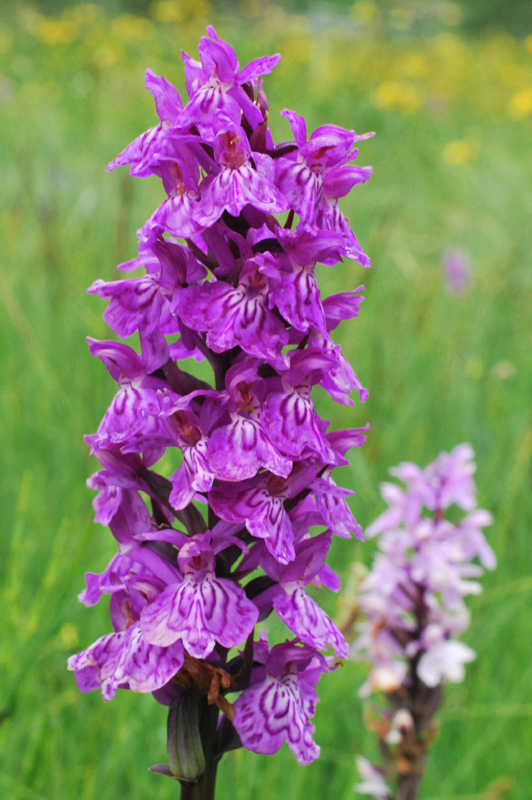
(521, 104)
(414, 65)
(392, 94)
(128, 26)
(174, 11)
(56, 31)
(461, 151)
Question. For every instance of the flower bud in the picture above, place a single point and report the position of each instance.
(185, 751)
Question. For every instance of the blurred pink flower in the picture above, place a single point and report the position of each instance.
(457, 271)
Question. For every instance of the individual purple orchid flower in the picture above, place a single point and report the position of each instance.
(259, 503)
(413, 606)
(141, 151)
(216, 83)
(130, 518)
(126, 658)
(238, 450)
(195, 474)
(201, 609)
(238, 316)
(218, 489)
(300, 612)
(289, 414)
(238, 184)
(280, 702)
(134, 413)
(457, 272)
(317, 174)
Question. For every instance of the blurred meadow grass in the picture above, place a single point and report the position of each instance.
(453, 162)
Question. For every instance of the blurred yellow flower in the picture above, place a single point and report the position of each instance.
(401, 96)
(56, 31)
(300, 49)
(128, 26)
(415, 65)
(461, 151)
(179, 10)
(105, 56)
(521, 104)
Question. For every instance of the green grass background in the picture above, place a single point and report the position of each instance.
(440, 369)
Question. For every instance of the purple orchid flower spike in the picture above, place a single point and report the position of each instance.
(216, 467)
(413, 605)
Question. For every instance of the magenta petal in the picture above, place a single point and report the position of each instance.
(340, 180)
(200, 614)
(136, 303)
(298, 125)
(175, 216)
(301, 187)
(263, 514)
(140, 153)
(293, 425)
(125, 659)
(272, 712)
(131, 420)
(237, 452)
(232, 189)
(298, 299)
(257, 67)
(167, 100)
(194, 475)
(308, 622)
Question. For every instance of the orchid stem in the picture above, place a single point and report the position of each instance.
(204, 787)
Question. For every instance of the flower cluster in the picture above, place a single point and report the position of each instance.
(413, 605)
(224, 539)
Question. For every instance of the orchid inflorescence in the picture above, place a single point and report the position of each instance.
(413, 610)
(207, 552)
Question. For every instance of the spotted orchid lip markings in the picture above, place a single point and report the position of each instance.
(218, 491)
